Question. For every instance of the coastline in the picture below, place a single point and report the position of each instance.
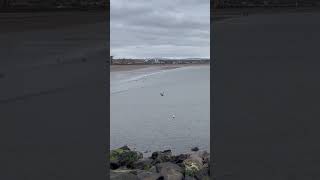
(124, 68)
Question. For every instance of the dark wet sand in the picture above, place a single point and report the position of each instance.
(266, 97)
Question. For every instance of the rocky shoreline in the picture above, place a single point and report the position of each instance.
(127, 164)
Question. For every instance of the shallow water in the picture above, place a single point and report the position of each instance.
(142, 118)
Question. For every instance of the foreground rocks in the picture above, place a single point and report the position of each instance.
(127, 164)
(123, 157)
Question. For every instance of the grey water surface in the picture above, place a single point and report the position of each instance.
(178, 120)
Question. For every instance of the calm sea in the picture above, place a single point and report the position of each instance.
(178, 120)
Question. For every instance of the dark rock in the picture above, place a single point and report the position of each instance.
(154, 155)
(129, 157)
(168, 165)
(143, 164)
(146, 175)
(122, 175)
(202, 174)
(162, 165)
(206, 178)
(205, 156)
(153, 169)
(196, 158)
(189, 178)
(180, 158)
(125, 148)
(114, 165)
(195, 149)
(159, 157)
(170, 171)
(206, 160)
(123, 157)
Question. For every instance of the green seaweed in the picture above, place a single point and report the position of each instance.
(114, 154)
(129, 157)
(147, 167)
(124, 156)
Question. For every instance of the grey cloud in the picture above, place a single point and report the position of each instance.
(154, 28)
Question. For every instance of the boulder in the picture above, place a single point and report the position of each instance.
(180, 158)
(160, 157)
(123, 157)
(146, 175)
(196, 158)
(189, 178)
(153, 169)
(122, 175)
(195, 149)
(125, 148)
(143, 164)
(170, 171)
(168, 165)
(192, 165)
(204, 155)
(127, 164)
(114, 158)
(202, 174)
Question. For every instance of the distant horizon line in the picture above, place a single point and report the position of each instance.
(161, 57)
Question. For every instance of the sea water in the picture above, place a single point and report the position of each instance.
(144, 119)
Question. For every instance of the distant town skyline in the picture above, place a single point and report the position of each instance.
(164, 29)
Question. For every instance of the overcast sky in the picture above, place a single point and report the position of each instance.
(160, 28)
